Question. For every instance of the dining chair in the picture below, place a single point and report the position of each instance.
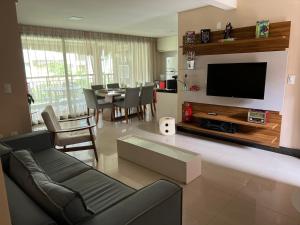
(149, 84)
(154, 99)
(131, 100)
(71, 136)
(97, 105)
(113, 86)
(147, 99)
(154, 94)
(98, 87)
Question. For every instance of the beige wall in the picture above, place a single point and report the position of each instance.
(14, 114)
(166, 47)
(167, 44)
(162, 65)
(246, 14)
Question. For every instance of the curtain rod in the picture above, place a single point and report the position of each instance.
(71, 33)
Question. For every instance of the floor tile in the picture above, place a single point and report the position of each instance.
(248, 212)
(237, 186)
(274, 195)
(202, 197)
(200, 219)
(225, 179)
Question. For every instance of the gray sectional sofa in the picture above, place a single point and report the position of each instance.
(48, 187)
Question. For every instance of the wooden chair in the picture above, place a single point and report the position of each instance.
(65, 137)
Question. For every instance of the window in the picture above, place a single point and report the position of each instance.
(57, 69)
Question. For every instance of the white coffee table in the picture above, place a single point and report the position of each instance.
(173, 162)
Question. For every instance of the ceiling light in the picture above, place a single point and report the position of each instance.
(75, 18)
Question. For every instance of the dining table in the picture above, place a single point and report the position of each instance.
(111, 95)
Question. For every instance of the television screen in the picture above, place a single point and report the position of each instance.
(240, 80)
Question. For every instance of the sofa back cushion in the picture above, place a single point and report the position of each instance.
(64, 205)
(4, 155)
(22, 209)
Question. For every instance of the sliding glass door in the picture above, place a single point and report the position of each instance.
(57, 69)
(45, 72)
(79, 73)
(56, 74)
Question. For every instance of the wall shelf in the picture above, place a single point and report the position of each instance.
(240, 118)
(257, 138)
(245, 42)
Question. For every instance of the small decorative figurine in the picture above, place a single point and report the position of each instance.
(190, 37)
(228, 30)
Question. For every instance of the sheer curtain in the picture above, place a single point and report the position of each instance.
(60, 63)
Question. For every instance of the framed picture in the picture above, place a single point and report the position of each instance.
(190, 37)
(262, 29)
(190, 64)
(205, 36)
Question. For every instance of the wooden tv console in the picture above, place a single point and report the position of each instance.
(262, 134)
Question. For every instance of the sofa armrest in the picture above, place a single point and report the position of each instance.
(157, 204)
(34, 141)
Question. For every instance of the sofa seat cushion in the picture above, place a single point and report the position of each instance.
(98, 190)
(63, 204)
(22, 209)
(58, 165)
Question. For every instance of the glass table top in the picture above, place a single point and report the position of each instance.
(161, 148)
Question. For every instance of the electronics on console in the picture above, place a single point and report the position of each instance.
(218, 126)
(258, 116)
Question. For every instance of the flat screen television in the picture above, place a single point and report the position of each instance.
(240, 80)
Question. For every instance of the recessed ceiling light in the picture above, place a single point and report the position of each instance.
(75, 18)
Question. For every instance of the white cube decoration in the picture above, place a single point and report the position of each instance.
(167, 126)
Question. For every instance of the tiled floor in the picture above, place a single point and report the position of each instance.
(238, 186)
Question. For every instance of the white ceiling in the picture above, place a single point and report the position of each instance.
(153, 18)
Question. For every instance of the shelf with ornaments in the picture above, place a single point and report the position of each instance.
(241, 40)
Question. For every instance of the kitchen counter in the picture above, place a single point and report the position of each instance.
(166, 91)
